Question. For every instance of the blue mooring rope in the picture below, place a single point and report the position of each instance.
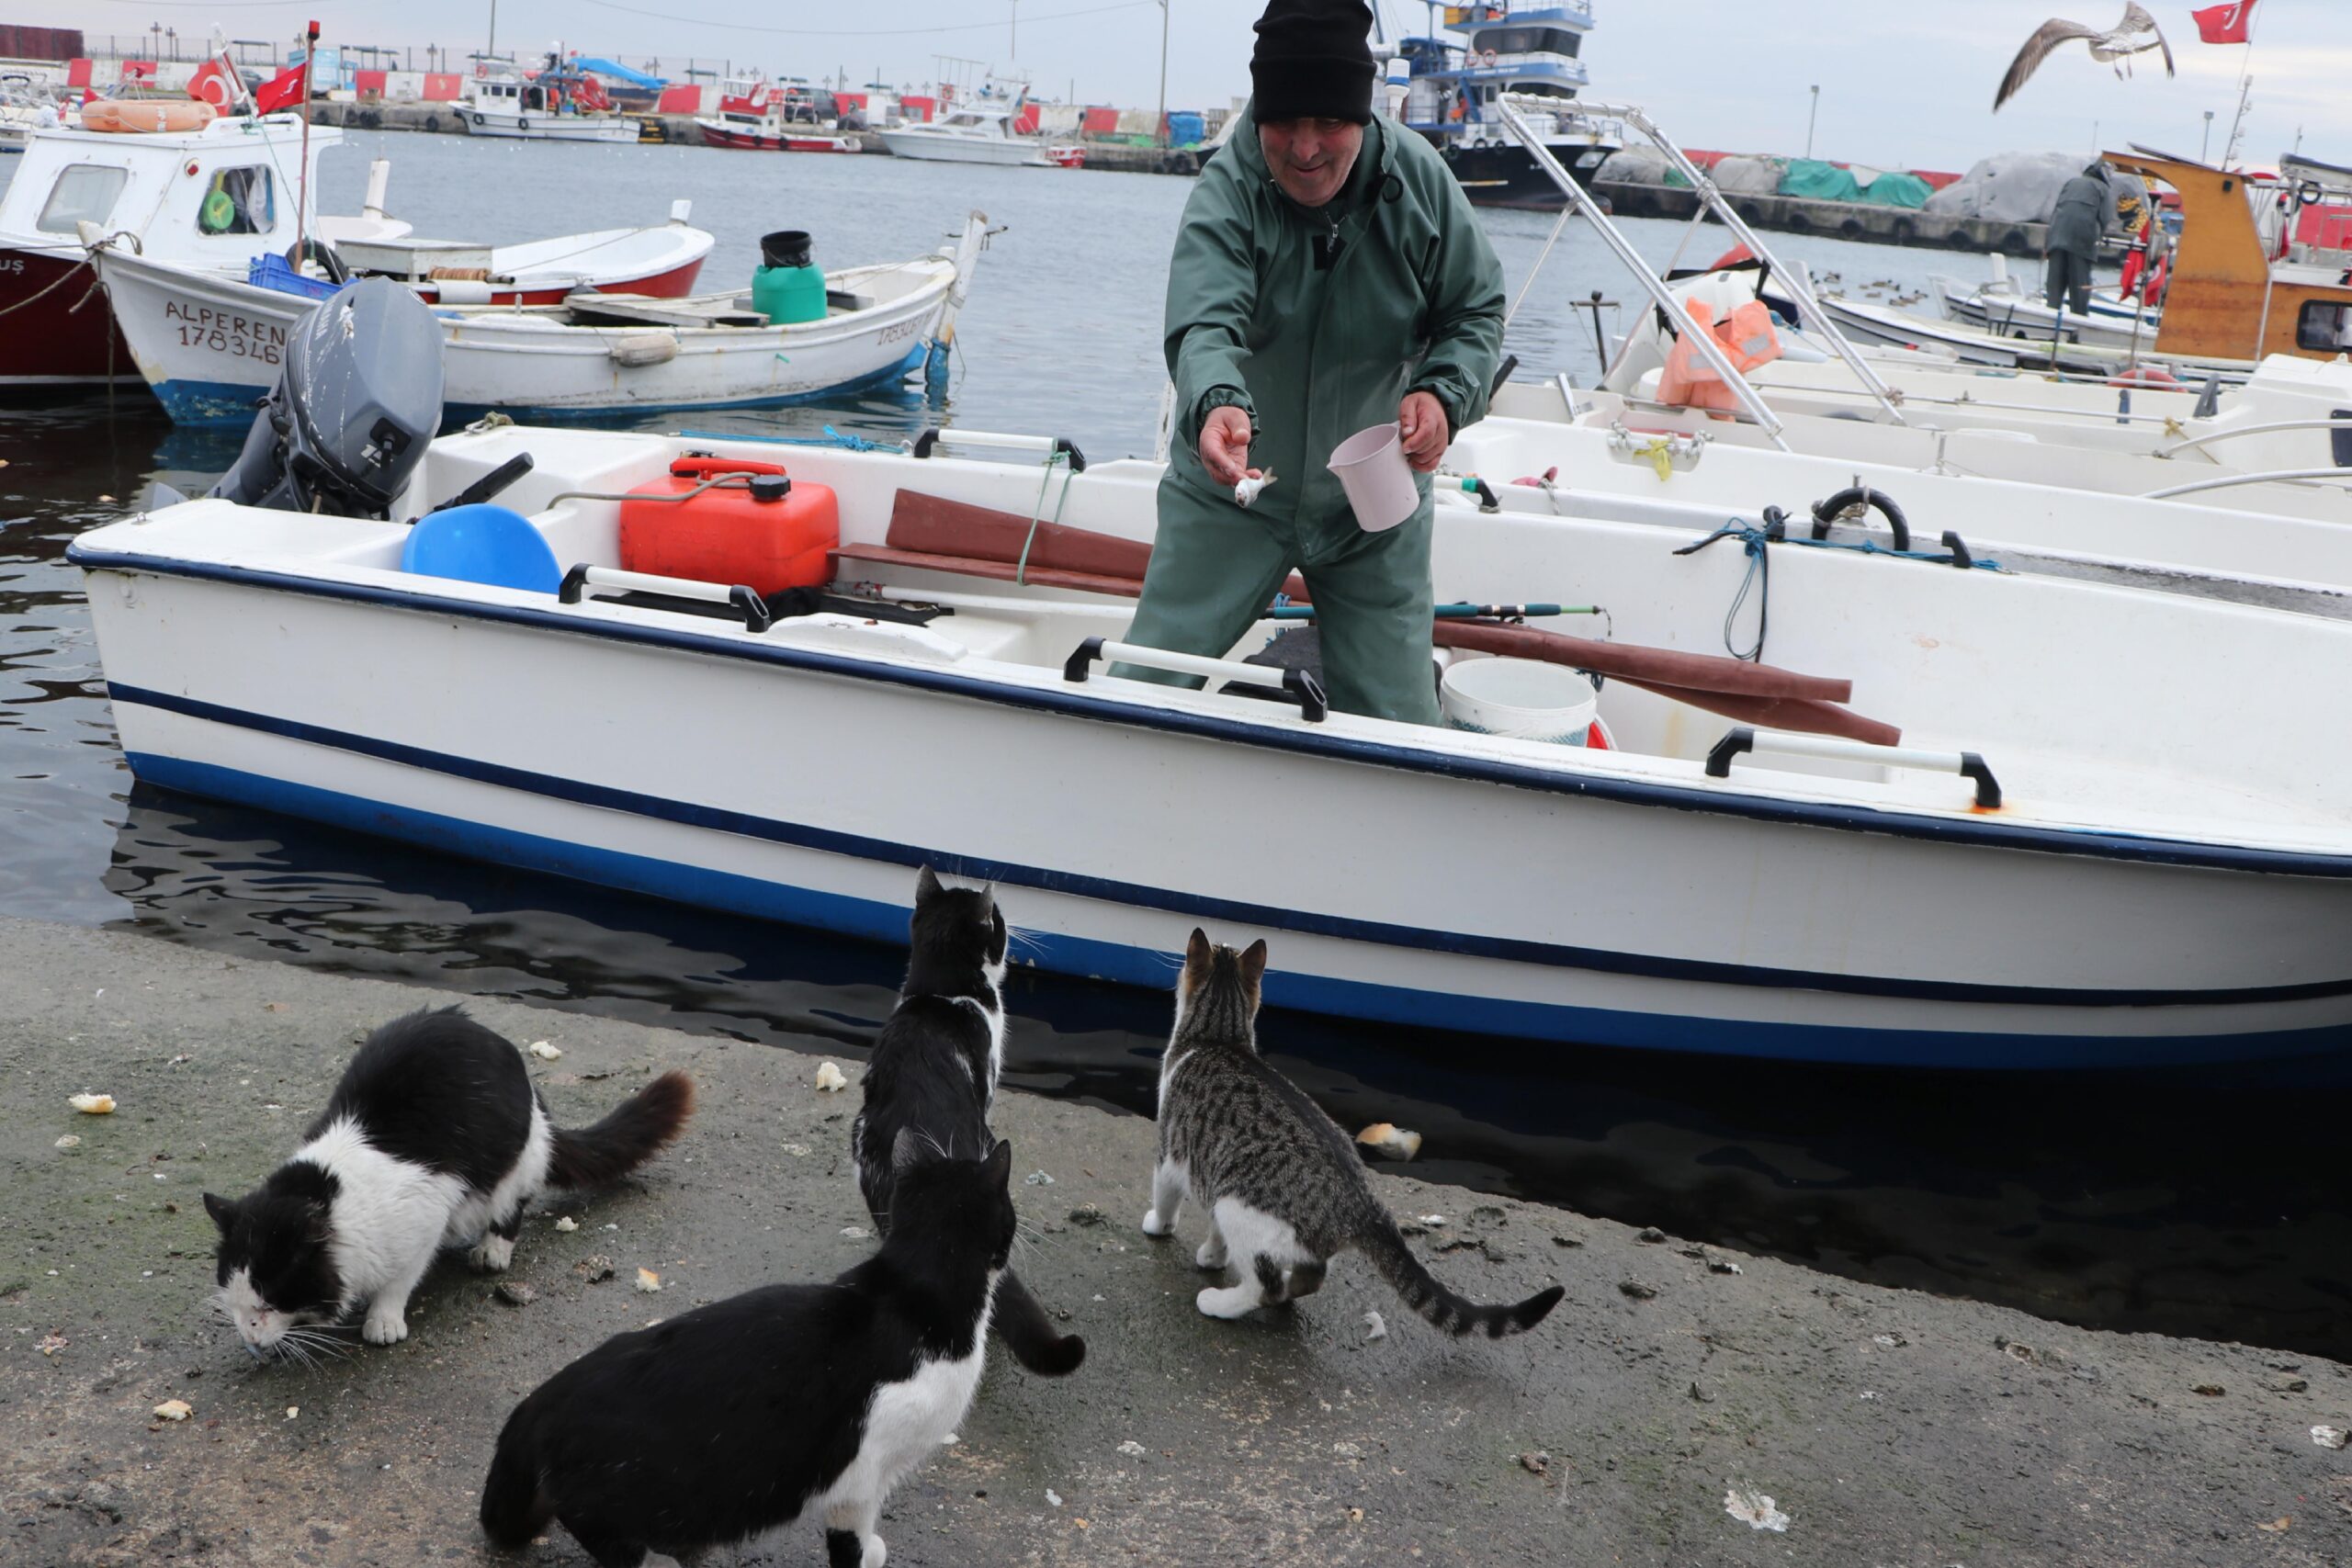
(830, 438)
(1759, 576)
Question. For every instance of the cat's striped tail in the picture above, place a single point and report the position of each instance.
(1451, 1314)
(633, 1133)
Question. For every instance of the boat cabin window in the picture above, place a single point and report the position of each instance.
(240, 201)
(85, 191)
(2324, 326)
(1526, 40)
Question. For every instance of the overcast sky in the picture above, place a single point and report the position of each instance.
(1902, 84)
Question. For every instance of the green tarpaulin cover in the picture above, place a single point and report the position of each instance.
(1894, 189)
(1819, 182)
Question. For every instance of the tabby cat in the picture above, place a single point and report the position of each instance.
(1284, 1186)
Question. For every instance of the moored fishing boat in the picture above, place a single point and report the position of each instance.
(2229, 298)
(756, 115)
(1678, 415)
(556, 103)
(218, 196)
(211, 345)
(976, 136)
(1532, 52)
(2045, 875)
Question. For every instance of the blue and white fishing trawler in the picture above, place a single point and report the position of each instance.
(1533, 52)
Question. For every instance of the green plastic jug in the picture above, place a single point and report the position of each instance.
(788, 288)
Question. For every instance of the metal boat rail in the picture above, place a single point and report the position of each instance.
(1514, 109)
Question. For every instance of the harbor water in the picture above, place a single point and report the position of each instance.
(2147, 1204)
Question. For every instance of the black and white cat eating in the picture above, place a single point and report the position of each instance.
(434, 1138)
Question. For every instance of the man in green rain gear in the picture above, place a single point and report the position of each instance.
(1329, 275)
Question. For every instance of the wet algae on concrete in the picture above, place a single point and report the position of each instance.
(1887, 1427)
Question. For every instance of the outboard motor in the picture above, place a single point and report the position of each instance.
(356, 405)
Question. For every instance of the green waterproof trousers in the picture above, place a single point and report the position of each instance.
(1214, 568)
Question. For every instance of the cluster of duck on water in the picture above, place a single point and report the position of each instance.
(664, 1439)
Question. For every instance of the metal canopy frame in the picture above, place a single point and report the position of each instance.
(1810, 315)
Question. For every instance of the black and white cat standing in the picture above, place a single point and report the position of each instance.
(434, 1138)
(934, 1074)
(725, 1424)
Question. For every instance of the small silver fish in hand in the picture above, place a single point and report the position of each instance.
(1247, 490)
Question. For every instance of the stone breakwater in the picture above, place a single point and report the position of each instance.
(1837, 220)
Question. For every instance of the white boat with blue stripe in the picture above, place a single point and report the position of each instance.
(2112, 835)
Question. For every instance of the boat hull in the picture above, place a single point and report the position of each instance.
(58, 332)
(210, 347)
(549, 128)
(928, 147)
(1503, 174)
(752, 139)
(1628, 915)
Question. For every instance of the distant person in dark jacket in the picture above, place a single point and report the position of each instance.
(2074, 230)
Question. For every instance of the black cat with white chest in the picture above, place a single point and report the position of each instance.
(725, 1424)
(435, 1137)
(934, 1074)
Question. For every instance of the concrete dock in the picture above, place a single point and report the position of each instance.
(1854, 220)
(1888, 1428)
(445, 120)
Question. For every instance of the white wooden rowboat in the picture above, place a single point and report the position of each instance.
(2153, 863)
(211, 345)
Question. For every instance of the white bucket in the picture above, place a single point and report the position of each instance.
(1371, 469)
(1525, 699)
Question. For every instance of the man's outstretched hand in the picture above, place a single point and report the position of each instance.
(1224, 445)
(1421, 425)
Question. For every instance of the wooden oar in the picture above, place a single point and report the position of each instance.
(1815, 717)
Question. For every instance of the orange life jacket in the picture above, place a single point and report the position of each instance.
(1745, 335)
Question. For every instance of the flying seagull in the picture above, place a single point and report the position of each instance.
(2135, 34)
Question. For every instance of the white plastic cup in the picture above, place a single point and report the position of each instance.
(1371, 469)
(1525, 699)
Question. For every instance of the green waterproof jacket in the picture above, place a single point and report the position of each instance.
(1413, 300)
(2085, 205)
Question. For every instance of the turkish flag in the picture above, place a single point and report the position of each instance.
(281, 90)
(216, 83)
(2223, 24)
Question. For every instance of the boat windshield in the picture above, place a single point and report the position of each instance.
(240, 201)
(1525, 40)
(85, 192)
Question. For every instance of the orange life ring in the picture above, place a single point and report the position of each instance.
(2144, 376)
(146, 115)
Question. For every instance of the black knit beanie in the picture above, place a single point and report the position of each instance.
(1313, 62)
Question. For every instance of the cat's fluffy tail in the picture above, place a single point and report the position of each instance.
(512, 1509)
(637, 1127)
(1030, 1335)
(1451, 1314)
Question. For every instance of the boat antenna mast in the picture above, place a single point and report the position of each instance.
(2245, 87)
(302, 186)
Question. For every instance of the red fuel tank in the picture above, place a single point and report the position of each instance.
(760, 528)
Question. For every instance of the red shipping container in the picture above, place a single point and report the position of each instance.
(1026, 122)
(1101, 122)
(39, 43)
(682, 97)
(443, 87)
(369, 82)
(770, 536)
(917, 108)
